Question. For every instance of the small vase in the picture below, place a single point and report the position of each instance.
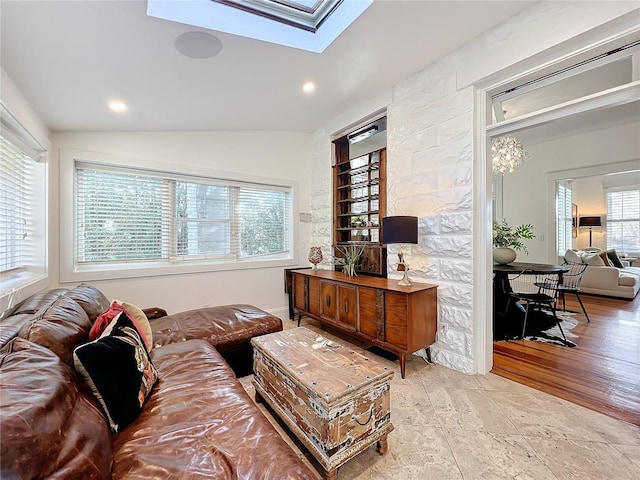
(315, 256)
(504, 255)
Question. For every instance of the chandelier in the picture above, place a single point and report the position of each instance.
(507, 153)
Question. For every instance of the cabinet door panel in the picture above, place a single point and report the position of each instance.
(367, 311)
(328, 300)
(314, 296)
(396, 336)
(396, 301)
(347, 306)
(299, 292)
(395, 319)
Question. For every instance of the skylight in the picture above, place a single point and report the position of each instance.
(306, 24)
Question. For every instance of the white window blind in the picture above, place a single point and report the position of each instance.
(120, 217)
(623, 220)
(261, 215)
(564, 216)
(142, 216)
(16, 208)
(202, 221)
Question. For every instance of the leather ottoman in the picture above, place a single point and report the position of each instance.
(229, 328)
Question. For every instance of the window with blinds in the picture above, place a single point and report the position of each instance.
(134, 216)
(16, 208)
(623, 220)
(564, 216)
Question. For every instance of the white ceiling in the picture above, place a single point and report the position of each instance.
(69, 58)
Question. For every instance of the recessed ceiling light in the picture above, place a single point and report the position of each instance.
(198, 44)
(118, 106)
(309, 87)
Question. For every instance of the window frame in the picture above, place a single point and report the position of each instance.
(70, 271)
(32, 277)
(609, 221)
(564, 216)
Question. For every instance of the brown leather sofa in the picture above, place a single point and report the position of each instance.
(197, 423)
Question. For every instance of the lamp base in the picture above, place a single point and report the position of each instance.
(405, 281)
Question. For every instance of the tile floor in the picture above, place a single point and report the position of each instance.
(449, 425)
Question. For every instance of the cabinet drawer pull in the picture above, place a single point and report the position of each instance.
(328, 300)
(346, 307)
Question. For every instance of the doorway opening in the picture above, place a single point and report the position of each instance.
(545, 108)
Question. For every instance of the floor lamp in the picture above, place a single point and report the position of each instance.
(594, 221)
(400, 229)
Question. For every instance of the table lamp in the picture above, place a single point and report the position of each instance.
(593, 221)
(400, 229)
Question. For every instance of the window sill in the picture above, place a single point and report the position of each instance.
(134, 270)
(17, 288)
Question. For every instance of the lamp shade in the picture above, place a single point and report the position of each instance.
(594, 221)
(399, 229)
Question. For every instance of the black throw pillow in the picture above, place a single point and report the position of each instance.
(613, 257)
(118, 370)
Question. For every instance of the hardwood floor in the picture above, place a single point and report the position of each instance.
(601, 373)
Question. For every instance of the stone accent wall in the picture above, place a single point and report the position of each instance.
(321, 194)
(430, 171)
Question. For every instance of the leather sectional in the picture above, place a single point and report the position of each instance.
(197, 422)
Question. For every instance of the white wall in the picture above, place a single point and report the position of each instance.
(270, 154)
(22, 111)
(525, 191)
(432, 164)
(589, 193)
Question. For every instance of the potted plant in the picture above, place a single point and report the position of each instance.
(506, 240)
(357, 221)
(349, 259)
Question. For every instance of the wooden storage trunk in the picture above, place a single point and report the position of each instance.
(334, 399)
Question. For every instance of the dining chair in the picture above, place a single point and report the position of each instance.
(571, 283)
(537, 290)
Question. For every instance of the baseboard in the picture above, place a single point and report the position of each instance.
(282, 312)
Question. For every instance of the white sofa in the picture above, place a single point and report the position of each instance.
(601, 279)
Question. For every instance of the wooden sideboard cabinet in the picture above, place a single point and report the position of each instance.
(375, 310)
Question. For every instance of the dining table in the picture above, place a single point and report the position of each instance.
(508, 316)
